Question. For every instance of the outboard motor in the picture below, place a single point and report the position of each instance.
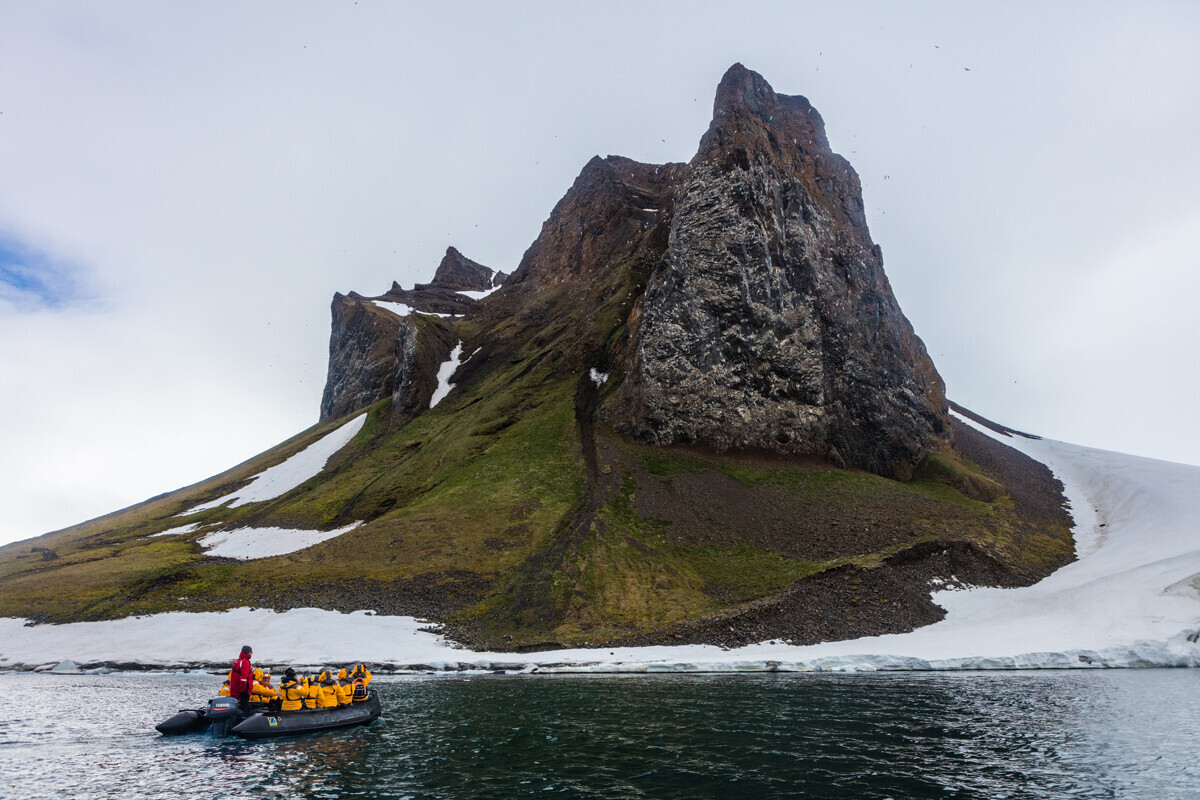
(222, 713)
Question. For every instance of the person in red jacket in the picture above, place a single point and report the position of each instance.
(241, 678)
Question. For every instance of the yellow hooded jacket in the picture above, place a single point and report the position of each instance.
(262, 691)
(294, 693)
(359, 680)
(345, 688)
(327, 691)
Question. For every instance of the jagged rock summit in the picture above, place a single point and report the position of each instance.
(455, 275)
(738, 299)
(458, 273)
(769, 321)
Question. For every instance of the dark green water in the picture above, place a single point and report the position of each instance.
(1110, 734)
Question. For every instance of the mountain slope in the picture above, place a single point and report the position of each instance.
(1129, 601)
(694, 411)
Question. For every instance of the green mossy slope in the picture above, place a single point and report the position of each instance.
(498, 513)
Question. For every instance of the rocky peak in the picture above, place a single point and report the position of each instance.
(769, 322)
(739, 297)
(747, 109)
(754, 126)
(459, 273)
(376, 352)
(443, 295)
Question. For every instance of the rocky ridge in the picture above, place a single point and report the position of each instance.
(738, 298)
(376, 352)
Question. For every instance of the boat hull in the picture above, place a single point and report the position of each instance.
(182, 723)
(268, 725)
(217, 717)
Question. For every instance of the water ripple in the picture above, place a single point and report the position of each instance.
(1126, 734)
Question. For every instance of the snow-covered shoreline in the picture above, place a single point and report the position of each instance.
(1129, 601)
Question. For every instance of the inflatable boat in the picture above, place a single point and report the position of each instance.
(222, 717)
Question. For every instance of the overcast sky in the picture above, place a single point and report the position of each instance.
(183, 187)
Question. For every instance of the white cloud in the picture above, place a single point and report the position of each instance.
(216, 172)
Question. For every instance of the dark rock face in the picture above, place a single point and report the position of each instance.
(376, 353)
(769, 323)
(405, 375)
(420, 348)
(738, 298)
(601, 224)
(362, 358)
(586, 271)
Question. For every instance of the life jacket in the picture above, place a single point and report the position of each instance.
(241, 677)
(293, 694)
(345, 689)
(311, 692)
(263, 692)
(325, 691)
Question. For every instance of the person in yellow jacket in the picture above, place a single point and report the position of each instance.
(327, 690)
(359, 678)
(262, 691)
(345, 688)
(359, 671)
(224, 688)
(310, 692)
(293, 693)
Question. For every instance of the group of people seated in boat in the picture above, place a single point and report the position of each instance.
(324, 690)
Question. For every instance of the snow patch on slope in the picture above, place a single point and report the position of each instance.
(445, 372)
(282, 478)
(477, 295)
(245, 544)
(403, 309)
(176, 531)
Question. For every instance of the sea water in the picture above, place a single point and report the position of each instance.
(1071, 734)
